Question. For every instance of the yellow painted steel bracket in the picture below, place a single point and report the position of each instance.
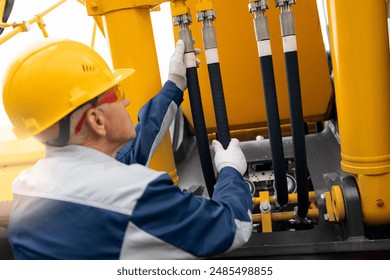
(264, 201)
(204, 5)
(334, 202)
(101, 7)
(283, 216)
(265, 208)
(292, 198)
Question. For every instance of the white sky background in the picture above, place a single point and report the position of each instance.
(70, 20)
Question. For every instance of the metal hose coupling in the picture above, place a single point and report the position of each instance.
(299, 220)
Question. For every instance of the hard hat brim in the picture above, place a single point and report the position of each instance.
(122, 74)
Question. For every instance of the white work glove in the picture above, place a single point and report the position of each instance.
(232, 156)
(177, 68)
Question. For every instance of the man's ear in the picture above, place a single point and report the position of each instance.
(95, 120)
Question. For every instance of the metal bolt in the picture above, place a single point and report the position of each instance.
(380, 203)
(265, 207)
(94, 6)
(252, 7)
(259, 138)
(326, 217)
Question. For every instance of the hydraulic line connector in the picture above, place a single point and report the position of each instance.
(182, 18)
(287, 24)
(296, 112)
(258, 8)
(206, 14)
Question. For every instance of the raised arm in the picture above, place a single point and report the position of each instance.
(156, 116)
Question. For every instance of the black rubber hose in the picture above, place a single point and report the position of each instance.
(275, 135)
(200, 129)
(223, 132)
(298, 131)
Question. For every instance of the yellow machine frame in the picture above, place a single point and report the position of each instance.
(361, 69)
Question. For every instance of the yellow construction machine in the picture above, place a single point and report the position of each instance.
(312, 122)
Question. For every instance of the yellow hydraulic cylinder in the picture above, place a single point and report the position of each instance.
(128, 29)
(361, 61)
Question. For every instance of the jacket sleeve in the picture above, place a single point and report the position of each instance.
(199, 226)
(154, 120)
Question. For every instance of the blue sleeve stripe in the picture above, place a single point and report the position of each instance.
(231, 188)
(51, 229)
(173, 92)
(181, 218)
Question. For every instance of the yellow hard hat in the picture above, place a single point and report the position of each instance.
(52, 78)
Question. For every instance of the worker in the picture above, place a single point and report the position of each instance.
(79, 202)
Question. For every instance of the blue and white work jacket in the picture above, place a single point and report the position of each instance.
(79, 203)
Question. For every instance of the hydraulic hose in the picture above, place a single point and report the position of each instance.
(197, 109)
(275, 135)
(223, 132)
(296, 112)
(298, 131)
(200, 129)
(271, 101)
(210, 45)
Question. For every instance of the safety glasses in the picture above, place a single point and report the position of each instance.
(110, 96)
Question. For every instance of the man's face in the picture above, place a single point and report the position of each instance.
(120, 127)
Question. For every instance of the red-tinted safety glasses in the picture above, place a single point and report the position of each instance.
(110, 96)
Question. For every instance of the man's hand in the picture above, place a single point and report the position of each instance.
(177, 67)
(232, 156)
